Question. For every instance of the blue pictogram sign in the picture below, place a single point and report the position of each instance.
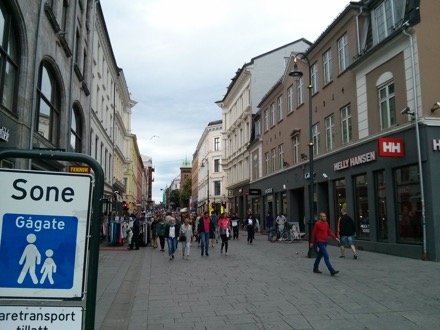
(38, 251)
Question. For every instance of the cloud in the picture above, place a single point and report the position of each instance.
(179, 57)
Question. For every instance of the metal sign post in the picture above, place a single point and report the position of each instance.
(38, 229)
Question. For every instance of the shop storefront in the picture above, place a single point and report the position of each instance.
(378, 182)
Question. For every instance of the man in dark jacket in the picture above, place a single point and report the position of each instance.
(346, 231)
(136, 232)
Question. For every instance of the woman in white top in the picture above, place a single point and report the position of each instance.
(185, 237)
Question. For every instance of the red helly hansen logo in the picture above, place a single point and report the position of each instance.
(389, 147)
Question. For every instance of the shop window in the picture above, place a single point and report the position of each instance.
(409, 205)
(8, 59)
(340, 191)
(381, 207)
(361, 217)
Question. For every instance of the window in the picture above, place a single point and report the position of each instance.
(330, 132)
(216, 165)
(387, 106)
(328, 69)
(216, 143)
(266, 162)
(315, 136)
(300, 90)
(381, 206)
(266, 120)
(346, 128)
(274, 160)
(8, 59)
(272, 114)
(75, 130)
(258, 127)
(361, 217)
(343, 53)
(48, 114)
(296, 153)
(280, 108)
(281, 155)
(217, 188)
(387, 17)
(290, 99)
(409, 205)
(314, 70)
(255, 163)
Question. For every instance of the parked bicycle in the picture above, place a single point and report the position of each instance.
(288, 235)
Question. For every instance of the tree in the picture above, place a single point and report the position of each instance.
(175, 198)
(185, 194)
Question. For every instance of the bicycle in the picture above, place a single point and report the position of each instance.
(286, 235)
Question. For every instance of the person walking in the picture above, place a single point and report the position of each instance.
(186, 232)
(251, 228)
(346, 231)
(161, 225)
(171, 232)
(235, 226)
(205, 229)
(320, 233)
(135, 230)
(269, 226)
(224, 231)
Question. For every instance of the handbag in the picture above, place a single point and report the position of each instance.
(182, 237)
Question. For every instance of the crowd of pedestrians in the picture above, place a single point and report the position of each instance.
(206, 230)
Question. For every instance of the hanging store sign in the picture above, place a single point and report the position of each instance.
(390, 147)
(355, 161)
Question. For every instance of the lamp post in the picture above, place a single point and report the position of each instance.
(207, 178)
(297, 74)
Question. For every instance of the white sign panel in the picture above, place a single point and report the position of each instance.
(43, 229)
(47, 318)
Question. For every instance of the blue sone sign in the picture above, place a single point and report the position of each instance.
(43, 227)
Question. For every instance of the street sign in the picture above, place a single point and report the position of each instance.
(43, 231)
(48, 318)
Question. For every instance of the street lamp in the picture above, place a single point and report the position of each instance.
(207, 175)
(297, 74)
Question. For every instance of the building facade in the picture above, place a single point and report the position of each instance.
(211, 191)
(374, 129)
(249, 85)
(61, 89)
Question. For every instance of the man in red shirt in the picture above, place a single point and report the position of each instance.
(321, 231)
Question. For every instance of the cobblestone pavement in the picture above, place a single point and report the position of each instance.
(263, 286)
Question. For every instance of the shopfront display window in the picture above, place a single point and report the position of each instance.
(381, 207)
(408, 199)
(361, 217)
(340, 196)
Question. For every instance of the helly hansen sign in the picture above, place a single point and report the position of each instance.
(391, 147)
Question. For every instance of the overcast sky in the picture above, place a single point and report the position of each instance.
(179, 56)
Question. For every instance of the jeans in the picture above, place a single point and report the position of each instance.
(172, 245)
(204, 242)
(322, 252)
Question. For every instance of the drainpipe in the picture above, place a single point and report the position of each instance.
(34, 89)
(419, 153)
